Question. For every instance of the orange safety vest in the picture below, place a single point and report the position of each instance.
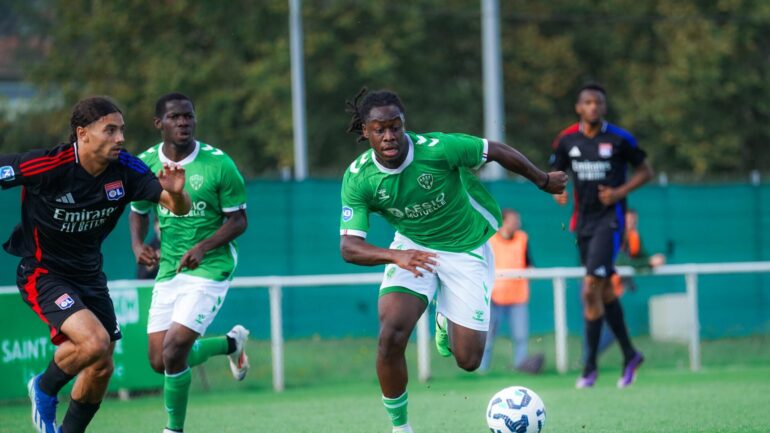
(510, 254)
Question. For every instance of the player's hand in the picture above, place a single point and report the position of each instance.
(557, 182)
(608, 195)
(562, 198)
(411, 260)
(146, 255)
(191, 259)
(657, 260)
(172, 178)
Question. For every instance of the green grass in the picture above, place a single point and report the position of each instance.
(332, 389)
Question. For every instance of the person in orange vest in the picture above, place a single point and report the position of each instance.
(510, 298)
(631, 254)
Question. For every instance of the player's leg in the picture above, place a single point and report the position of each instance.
(398, 312)
(613, 315)
(77, 332)
(463, 298)
(403, 299)
(87, 393)
(91, 383)
(597, 257)
(496, 316)
(197, 302)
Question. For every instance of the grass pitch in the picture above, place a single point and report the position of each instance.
(724, 397)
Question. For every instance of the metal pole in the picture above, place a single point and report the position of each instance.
(560, 322)
(691, 281)
(298, 89)
(494, 122)
(276, 336)
(423, 348)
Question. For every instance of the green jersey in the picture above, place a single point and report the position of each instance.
(434, 198)
(215, 187)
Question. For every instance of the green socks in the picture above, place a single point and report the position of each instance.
(175, 391)
(204, 348)
(396, 408)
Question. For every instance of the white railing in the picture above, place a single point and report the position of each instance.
(557, 275)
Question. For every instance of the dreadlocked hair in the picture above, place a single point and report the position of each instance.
(363, 103)
(88, 111)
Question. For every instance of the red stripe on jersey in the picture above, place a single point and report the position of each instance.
(43, 159)
(30, 288)
(38, 250)
(574, 219)
(49, 166)
(45, 163)
(567, 131)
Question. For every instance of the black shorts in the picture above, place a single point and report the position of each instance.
(55, 298)
(599, 250)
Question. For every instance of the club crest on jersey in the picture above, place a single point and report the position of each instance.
(426, 181)
(605, 150)
(196, 181)
(7, 173)
(64, 301)
(347, 214)
(114, 190)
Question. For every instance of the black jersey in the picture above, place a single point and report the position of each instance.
(66, 213)
(602, 160)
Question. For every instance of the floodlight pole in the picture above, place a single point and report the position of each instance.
(494, 121)
(298, 89)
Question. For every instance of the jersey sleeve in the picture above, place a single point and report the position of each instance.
(630, 150)
(464, 150)
(142, 207)
(232, 188)
(34, 167)
(143, 185)
(354, 220)
(559, 159)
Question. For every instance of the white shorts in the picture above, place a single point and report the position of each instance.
(462, 282)
(188, 300)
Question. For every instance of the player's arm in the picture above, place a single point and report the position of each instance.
(235, 224)
(138, 224)
(174, 197)
(356, 250)
(33, 167)
(553, 182)
(642, 174)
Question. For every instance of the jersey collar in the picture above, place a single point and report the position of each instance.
(603, 130)
(188, 159)
(400, 168)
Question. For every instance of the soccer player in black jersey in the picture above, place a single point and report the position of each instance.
(598, 154)
(73, 195)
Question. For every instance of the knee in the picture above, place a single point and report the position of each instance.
(103, 370)
(172, 352)
(96, 348)
(156, 362)
(469, 362)
(393, 340)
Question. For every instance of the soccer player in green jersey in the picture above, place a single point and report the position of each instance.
(424, 185)
(198, 255)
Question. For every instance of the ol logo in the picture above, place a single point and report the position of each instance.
(64, 301)
(114, 190)
(196, 181)
(347, 213)
(426, 181)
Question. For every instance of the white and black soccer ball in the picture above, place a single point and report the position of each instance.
(516, 410)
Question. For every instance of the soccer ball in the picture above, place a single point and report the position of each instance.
(516, 410)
